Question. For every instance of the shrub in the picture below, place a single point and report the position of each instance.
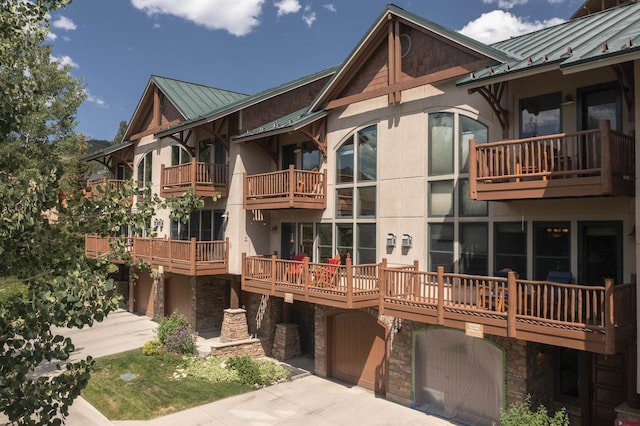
(181, 341)
(152, 347)
(176, 335)
(248, 370)
(520, 414)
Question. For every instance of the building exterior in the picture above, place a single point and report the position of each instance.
(447, 223)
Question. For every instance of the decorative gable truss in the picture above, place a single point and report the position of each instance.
(404, 56)
(154, 113)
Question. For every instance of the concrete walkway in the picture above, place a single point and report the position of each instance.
(307, 399)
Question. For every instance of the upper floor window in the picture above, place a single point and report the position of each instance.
(145, 167)
(179, 155)
(212, 152)
(540, 115)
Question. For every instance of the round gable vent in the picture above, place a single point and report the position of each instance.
(405, 44)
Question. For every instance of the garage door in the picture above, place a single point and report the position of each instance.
(458, 377)
(358, 350)
(144, 295)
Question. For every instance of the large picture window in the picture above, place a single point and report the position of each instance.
(540, 115)
(356, 195)
(203, 225)
(145, 167)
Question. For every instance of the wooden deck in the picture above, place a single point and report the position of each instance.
(206, 179)
(96, 188)
(591, 318)
(297, 189)
(194, 258)
(588, 163)
(342, 286)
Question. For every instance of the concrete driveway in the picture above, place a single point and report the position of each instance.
(308, 399)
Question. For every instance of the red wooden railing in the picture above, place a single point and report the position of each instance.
(286, 187)
(195, 174)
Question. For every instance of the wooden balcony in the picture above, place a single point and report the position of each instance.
(589, 163)
(590, 318)
(297, 189)
(342, 286)
(195, 258)
(206, 179)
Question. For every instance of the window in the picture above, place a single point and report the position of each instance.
(179, 155)
(540, 115)
(145, 167)
(510, 247)
(203, 225)
(356, 195)
(325, 242)
(211, 152)
(441, 246)
(449, 134)
(474, 248)
(551, 248)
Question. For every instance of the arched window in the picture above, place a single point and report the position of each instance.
(356, 198)
(145, 167)
(179, 155)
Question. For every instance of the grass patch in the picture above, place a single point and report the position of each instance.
(149, 388)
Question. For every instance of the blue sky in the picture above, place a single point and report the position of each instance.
(246, 46)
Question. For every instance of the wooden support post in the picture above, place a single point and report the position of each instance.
(512, 304)
(609, 323)
(606, 167)
(349, 267)
(305, 276)
(243, 268)
(274, 267)
(382, 285)
(440, 306)
(473, 170)
(292, 184)
(194, 172)
(192, 255)
(245, 187)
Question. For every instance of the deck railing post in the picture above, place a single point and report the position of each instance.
(292, 184)
(609, 323)
(194, 172)
(473, 170)
(349, 267)
(274, 267)
(382, 284)
(305, 276)
(440, 302)
(192, 255)
(512, 304)
(244, 270)
(606, 171)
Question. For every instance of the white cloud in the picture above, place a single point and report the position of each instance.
(95, 100)
(51, 36)
(498, 25)
(156, 26)
(505, 4)
(330, 7)
(64, 61)
(287, 6)
(238, 17)
(64, 23)
(309, 16)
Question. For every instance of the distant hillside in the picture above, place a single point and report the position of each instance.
(95, 145)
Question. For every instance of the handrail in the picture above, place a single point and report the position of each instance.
(194, 173)
(286, 183)
(598, 152)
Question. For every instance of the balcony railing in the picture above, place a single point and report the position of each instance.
(588, 163)
(592, 318)
(291, 188)
(189, 257)
(205, 179)
(345, 286)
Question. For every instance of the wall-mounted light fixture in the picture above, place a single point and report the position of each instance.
(158, 223)
(225, 215)
(391, 240)
(406, 241)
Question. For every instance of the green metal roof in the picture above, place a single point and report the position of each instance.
(106, 151)
(194, 100)
(218, 112)
(284, 124)
(597, 37)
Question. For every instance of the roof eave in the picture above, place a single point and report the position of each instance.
(603, 61)
(280, 130)
(511, 75)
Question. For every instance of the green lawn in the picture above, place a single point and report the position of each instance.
(148, 388)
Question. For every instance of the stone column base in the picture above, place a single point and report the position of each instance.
(286, 343)
(234, 326)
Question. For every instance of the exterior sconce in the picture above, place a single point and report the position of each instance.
(158, 223)
(406, 241)
(391, 240)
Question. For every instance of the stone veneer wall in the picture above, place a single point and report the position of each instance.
(158, 296)
(209, 302)
(272, 316)
(251, 347)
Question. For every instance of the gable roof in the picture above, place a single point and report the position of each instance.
(596, 40)
(380, 27)
(217, 113)
(193, 100)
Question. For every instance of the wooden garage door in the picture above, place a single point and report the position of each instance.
(609, 388)
(144, 296)
(358, 350)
